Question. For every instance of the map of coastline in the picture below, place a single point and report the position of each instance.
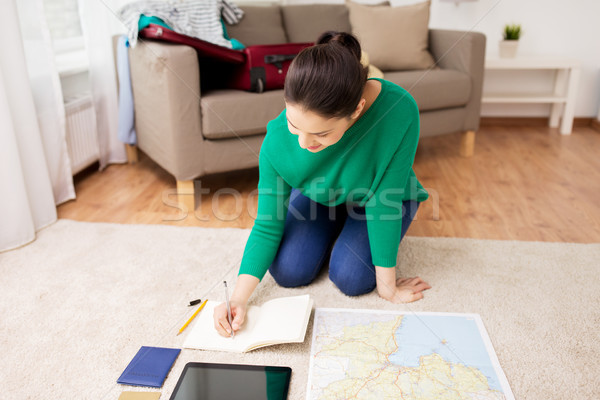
(365, 354)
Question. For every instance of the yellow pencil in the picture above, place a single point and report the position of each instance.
(192, 317)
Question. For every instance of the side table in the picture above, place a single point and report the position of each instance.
(564, 92)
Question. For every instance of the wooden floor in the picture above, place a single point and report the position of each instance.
(523, 183)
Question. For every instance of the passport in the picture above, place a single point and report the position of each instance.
(149, 367)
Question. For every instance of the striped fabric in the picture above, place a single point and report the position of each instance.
(199, 19)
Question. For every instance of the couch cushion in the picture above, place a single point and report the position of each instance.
(434, 89)
(395, 37)
(259, 25)
(305, 23)
(228, 113)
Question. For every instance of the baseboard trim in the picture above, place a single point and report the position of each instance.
(595, 124)
(533, 121)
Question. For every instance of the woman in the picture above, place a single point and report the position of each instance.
(342, 152)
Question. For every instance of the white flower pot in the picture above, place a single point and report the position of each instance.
(508, 48)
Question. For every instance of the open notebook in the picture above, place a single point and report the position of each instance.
(282, 320)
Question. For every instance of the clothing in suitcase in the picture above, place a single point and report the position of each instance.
(255, 68)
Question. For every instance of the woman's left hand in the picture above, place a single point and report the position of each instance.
(407, 290)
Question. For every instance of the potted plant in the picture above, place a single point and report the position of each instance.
(508, 46)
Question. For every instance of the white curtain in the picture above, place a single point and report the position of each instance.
(35, 171)
(99, 23)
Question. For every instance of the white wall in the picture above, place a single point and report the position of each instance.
(550, 27)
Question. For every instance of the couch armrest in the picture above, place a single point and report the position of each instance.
(465, 52)
(165, 79)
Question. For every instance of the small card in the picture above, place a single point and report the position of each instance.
(149, 367)
(139, 396)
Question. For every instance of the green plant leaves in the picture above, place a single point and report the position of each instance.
(512, 31)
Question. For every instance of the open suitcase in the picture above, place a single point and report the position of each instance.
(255, 68)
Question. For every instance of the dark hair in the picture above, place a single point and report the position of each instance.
(327, 78)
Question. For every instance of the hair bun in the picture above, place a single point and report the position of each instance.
(346, 39)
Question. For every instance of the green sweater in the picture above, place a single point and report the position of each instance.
(370, 166)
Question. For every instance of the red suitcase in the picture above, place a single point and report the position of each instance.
(255, 68)
(266, 66)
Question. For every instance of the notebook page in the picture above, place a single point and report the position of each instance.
(283, 319)
(204, 336)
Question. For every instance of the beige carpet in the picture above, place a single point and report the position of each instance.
(77, 304)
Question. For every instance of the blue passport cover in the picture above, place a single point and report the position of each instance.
(149, 367)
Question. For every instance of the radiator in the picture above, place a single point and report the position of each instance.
(82, 138)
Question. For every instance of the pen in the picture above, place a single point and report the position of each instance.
(228, 308)
(192, 317)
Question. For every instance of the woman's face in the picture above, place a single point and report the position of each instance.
(315, 132)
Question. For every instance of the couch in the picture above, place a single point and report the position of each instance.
(192, 128)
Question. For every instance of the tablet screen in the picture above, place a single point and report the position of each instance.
(203, 381)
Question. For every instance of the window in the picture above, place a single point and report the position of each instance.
(64, 23)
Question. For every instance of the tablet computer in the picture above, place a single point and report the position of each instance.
(204, 381)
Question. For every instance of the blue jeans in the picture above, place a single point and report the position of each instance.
(338, 233)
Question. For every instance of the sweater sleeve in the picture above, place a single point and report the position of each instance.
(265, 237)
(384, 209)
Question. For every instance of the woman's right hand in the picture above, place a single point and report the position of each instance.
(238, 315)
